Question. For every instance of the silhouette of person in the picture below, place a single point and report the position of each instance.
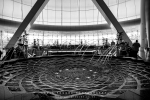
(135, 48)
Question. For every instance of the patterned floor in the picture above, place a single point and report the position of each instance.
(67, 77)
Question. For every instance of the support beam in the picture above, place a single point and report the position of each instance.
(27, 22)
(109, 17)
(142, 30)
(147, 19)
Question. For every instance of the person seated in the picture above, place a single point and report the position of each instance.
(35, 44)
(9, 54)
(129, 50)
(20, 42)
(112, 43)
(20, 52)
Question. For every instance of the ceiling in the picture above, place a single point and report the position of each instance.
(69, 12)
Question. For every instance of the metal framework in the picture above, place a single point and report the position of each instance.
(110, 18)
(27, 22)
(39, 6)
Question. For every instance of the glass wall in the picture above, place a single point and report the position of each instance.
(69, 12)
(61, 37)
(86, 37)
(5, 36)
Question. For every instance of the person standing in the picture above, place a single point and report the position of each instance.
(135, 48)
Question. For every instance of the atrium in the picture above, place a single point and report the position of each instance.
(74, 50)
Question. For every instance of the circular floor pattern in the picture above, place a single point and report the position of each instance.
(66, 77)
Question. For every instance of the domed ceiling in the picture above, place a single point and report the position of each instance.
(69, 12)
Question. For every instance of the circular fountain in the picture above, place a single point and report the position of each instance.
(71, 76)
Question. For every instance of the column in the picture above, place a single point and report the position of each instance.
(147, 19)
(142, 30)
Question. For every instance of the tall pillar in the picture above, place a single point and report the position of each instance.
(142, 30)
(147, 19)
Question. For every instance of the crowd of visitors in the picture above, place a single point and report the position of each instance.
(126, 51)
